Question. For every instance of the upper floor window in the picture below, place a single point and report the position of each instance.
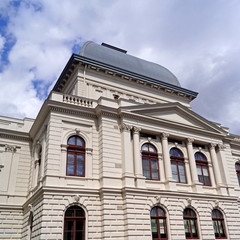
(237, 166)
(76, 156)
(177, 165)
(218, 224)
(202, 169)
(158, 224)
(150, 161)
(190, 223)
(74, 224)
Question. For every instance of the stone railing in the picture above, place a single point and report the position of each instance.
(79, 101)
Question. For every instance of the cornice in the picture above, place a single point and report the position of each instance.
(15, 135)
(121, 73)
(168, 123)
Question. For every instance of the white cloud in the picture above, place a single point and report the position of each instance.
(197, 40)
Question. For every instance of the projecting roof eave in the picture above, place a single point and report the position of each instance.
(75, 59)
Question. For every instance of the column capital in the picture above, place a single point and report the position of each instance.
(136, 130)
(212, 145)
(125, 128)
(165, 135)
(221, 147)
(190, 140)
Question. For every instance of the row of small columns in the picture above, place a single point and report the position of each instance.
(128, 167)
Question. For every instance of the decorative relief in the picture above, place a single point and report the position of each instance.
(1, 166)
(30, 207)
(158, 199)
(76, 198)
(77, 131)
(125, 128)
(216, 202)
(9, 148)
(189, 201)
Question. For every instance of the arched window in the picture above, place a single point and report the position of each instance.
(158, 224)
(237, 166)
(76, 156)
(74, 224)
(218, 224)
(202, 169)
(150, 161)
(190, 223)
(177, 165)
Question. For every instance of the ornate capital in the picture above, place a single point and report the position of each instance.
(190, 140)
(221, 147)
(125, 128)
(9, 148)
(165, 136)
(136, 130)
(212, 145)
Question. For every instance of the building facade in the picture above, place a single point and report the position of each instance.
(117, 153)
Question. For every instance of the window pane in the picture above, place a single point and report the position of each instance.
(79, 225)
(70, 164)
(68, 236)
(80, 142)
(79, 235)
(162, 226)
(174, 171)
(68, 225)
(205, 171)
(154, 166)
(154, 212)
(146, 170)
(71, 141)
(182, 173)
(151, 148)
(160, 212)
(154, 228)
(187, 228)
(145, 147)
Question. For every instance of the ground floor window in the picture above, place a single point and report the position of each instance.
(218, 224)
(74, 224)
(190, 224)
(158, 224)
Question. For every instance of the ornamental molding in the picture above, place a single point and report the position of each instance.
(72, 112)
(21, 138)
(221, 147)
(212, 145)
(76, 198)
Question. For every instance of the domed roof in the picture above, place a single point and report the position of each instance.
(118, 58)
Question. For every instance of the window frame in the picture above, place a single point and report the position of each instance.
(74, 219)
(149, 155)
(237, 168)
(178, 160)
(220, 224)
(76, 150)
(190, 218)
(157, 218)
(202, 164)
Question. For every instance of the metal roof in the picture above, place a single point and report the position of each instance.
(118, 58)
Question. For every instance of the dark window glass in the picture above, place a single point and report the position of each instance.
(177, 165)
(74, 224)
(202, 169)
(190, 224)
(150, 162)
(158, 224)
(237, 166)
(76, 156)
(218, 224)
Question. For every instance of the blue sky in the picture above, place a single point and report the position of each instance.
(198, 40)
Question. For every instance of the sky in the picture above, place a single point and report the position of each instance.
(197, 40)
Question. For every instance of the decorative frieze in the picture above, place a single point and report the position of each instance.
(10, 148)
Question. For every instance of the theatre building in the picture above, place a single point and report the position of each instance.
(116, 152)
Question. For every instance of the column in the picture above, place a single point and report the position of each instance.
(167, 163)
(216, 168)
(197, 186)
(140, 179)
(224, 169)
(127, 158)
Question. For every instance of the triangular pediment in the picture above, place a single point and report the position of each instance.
(175, 113)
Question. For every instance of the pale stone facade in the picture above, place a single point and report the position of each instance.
(115, 111)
